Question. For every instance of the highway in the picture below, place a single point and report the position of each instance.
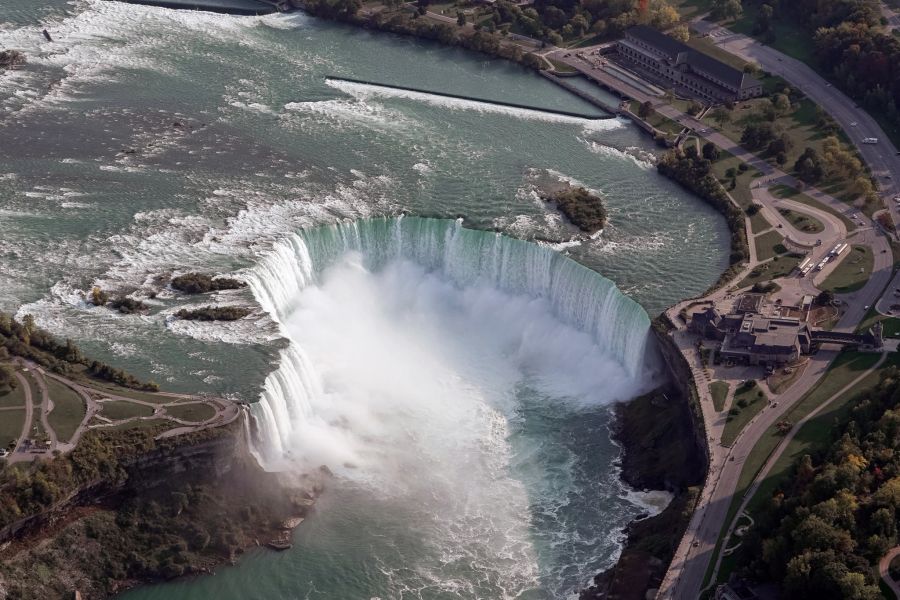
(881, 157)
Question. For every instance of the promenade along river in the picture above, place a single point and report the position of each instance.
(143, 141)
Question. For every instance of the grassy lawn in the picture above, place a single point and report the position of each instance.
(561, 67)
(790, 37)
(746, 405)
(688, 9)
(802, 221)
(845, 368)
(191, 412)
(68, 410)
(741, 192)
(11, 422)
(801, 128)
(769, 245)
(719, 391)
(777, 267)
(758, 223)
(783, 191)
(15, 398)
(853, 271)
(111, 388)
(120, 409)
(817, 431)
(142, 424)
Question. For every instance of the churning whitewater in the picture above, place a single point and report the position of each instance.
(427, 366)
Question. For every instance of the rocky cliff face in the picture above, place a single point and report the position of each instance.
(664, 448)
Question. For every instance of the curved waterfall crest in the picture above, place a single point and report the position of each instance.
(577, 296)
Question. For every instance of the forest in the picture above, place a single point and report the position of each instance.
(822, 534)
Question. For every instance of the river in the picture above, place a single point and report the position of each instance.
(144, 141)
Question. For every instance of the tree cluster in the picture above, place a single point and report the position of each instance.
(200, 283)
(25, 339)
(213, 313)
(824, 531)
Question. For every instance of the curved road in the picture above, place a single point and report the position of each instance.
(884, 567)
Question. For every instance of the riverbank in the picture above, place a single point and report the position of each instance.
(661, 450)
(148, 510)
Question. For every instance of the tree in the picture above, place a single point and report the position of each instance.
(645, 109)
(763, 23)
(721, 116)
(681, 33)
(809, 166)
(782, 103)
(757, 135)
(710, 151)
(724, 10)
(825, 298)
(460, 18)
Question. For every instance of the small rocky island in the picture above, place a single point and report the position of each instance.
(580, 207)
(10, 59)
(213, 313)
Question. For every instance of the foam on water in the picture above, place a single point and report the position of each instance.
(363, 91)
(418, 349)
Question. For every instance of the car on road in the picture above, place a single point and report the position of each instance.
(870, 140)
(854, 124)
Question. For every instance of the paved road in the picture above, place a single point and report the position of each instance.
(881, 157)
(782, 446)
(884, 566)
(46, 407)
(17, 452)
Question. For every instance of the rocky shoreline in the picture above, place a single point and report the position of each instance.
(177, 509)
(661, 451)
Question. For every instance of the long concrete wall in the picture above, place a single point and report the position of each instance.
(566, 113)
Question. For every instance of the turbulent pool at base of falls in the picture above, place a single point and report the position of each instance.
(457, 380)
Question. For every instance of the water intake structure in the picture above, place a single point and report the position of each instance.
(456, 382)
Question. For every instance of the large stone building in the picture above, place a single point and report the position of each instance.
(680, 65)
(754, 339)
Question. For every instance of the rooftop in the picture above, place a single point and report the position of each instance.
(696, 59)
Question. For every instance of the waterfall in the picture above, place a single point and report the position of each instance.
(578, 297)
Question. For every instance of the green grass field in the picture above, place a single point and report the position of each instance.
(741, 193)
(120, 409)
(14, 398)
(758, 223)
(817, 431)
(68, 410)
(845, 368)
(11, 422)
(778, 267)
(191, 412)
(802, 221)
(719, 392)
(769, 245)
(853, 271)
(783, 191)
(753, 400)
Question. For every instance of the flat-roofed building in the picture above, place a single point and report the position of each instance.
(680, 65)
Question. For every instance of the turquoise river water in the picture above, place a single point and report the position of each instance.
(457, 381)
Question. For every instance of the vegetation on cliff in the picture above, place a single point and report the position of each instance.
(213, 313)
(25, 339)
(582, 208)
(660, 452)
(135, 526)
(695, 173)
(823, 533)
(200, 283)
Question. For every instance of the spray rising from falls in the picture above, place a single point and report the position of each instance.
(575, 299)
(454, 381)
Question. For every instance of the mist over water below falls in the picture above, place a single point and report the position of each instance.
(457, 381)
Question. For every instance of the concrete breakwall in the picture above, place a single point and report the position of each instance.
(578, 92)
(566, 113)
(231, 7)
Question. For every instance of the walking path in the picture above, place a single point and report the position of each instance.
(225, 411)
(779, 450)
(884, 567)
